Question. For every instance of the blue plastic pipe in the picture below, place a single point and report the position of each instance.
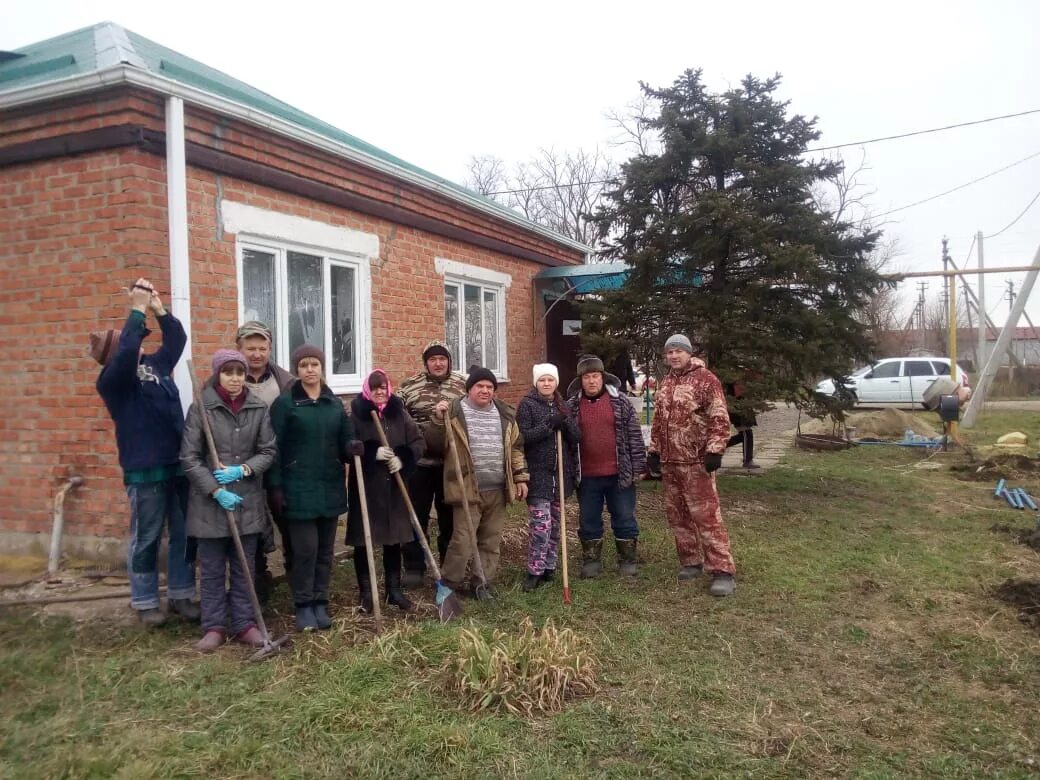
(1027, 499)
(1012, 497)
(1000, 489)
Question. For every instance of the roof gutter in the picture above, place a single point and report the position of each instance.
(125, 74)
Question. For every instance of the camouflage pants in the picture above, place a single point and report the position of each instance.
(692, 504)
(543, 523)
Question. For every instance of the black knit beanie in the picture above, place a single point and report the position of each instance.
(478, 374)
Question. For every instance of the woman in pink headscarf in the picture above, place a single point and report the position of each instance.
(387, 511)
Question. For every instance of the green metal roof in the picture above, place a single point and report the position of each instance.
(579, 279)
(102, 46)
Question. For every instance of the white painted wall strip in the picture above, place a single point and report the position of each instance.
(177, 209)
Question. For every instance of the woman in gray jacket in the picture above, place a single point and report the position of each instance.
(246, 448)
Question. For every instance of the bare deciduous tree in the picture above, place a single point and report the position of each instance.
(557, 189)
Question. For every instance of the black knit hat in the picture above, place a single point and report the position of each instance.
(436, 348)
(588, 364)
(478, 374)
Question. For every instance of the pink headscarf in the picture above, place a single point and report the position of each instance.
(366, 390)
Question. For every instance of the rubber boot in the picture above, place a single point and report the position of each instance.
(305, 620)
(365, 594)
(531, 582)
(591, 552)
(548, 575)
(321, 615)
(413, 578)
(394, 594)
(627, 556)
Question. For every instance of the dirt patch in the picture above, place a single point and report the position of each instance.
(1026, 536)
(1025, 596)
(883, 424)
(1009, 466)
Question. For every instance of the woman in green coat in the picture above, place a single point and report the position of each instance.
(308, 480)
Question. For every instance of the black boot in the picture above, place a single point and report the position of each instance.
(531, 582)
(628, 556)
(365, 593)
(548, 575)
(591, 554)
(394, 594)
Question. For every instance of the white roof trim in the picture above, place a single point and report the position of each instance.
(125, 74)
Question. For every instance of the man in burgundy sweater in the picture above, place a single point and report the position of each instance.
(613, 457)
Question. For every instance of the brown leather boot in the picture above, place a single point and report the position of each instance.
(591, 554)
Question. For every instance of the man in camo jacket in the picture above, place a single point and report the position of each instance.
(689, 433)
(425, 395)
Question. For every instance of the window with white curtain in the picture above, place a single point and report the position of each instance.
(475, 316)
(308, 296)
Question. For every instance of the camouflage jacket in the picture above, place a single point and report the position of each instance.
(690, 417)
(421, 394)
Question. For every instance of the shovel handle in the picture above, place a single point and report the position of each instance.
(377, 613)
(563, 519)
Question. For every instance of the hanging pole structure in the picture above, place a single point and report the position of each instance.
(1003, 342)
(980, 304)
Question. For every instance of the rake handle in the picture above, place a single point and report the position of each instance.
(373, 588)
(414, 518)
(563, 519)
(232, 522)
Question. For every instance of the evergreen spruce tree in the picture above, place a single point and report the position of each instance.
(728, 245)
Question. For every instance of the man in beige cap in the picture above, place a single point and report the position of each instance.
(267, 381)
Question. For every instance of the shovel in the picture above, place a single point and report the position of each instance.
(563, 519)
(271, 646)
(448, 604)
(377, 613)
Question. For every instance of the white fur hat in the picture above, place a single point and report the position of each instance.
(543, 369)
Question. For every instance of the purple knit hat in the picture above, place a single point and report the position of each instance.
(225, 356)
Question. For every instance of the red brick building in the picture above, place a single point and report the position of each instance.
(120, 158)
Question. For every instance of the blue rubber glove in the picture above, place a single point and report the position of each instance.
(228, 500)
(228, 475)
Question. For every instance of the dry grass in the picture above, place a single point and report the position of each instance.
(532, 671)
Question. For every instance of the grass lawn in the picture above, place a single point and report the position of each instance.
(864, 640)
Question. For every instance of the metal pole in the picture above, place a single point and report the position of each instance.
(1003, 341)
(952, 343)
(985, 317)
(981, 305)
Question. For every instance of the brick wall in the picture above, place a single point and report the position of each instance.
(73, 231)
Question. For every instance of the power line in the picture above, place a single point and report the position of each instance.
(925, 132)
(958, 187)
(1016, 219)
(815, 149)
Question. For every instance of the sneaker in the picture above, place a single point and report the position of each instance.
(722, 584)
(691, 572)
(305, 619)
(153, 618)
(210, 641)
(187, 609)
(321, 616)
(531, 582)
(250, 636)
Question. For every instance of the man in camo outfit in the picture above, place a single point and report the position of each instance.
(427, 395)
(690, 432)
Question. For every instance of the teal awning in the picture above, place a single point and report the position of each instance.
(579, 279)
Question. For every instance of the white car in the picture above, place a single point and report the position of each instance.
(899, 381)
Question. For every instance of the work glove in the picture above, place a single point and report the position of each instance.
(356, 448)
(384, 453)
(712, 462)
(653, 463)
(229, 474)
(394, 464)
(227, 499)
(556, 420)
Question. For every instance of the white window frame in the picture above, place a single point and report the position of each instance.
(499, 283)
(268, 231)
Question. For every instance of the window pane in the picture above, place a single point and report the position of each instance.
(941, 369)
(472, 318)
(490, 330)
(918, 368)
(306, 318)
(887, 370)
(344, 340)
(451, 323)
(258, 280)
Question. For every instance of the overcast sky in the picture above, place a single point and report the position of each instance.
(436, 83)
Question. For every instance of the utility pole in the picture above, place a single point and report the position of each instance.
(921, 287)
(971, 326)
(1003, 340)
(981, 305)
(1010, 295)
(946, 288)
